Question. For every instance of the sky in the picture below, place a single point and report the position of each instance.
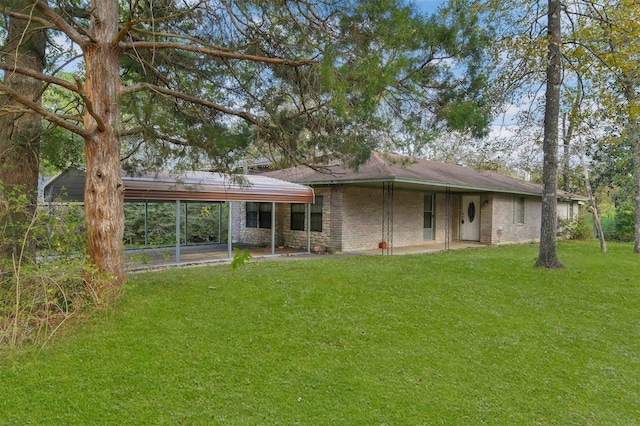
(428, 5)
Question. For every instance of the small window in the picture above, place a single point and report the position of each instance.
(297, 217)
(316, 214)
(264, 218)
(518, 211)
(258, 215)
(252, 215)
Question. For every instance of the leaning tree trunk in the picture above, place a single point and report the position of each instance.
(548, 256)
(592, 204)
(104, 191)
(19, 133)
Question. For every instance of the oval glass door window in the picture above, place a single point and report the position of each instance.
(471, 211)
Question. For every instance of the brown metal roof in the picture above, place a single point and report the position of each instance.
(412, 172)
(188, 186)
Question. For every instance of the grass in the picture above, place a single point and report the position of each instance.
(468, 337)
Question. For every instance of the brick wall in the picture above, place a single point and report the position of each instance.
(503, 228)
(335, 219)
(441, 215)
(568, 210)
(486, 218)
(362, 218)
(352, 220)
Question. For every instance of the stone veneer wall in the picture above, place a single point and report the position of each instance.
(257, 236)
(298, 239)
(237, 220)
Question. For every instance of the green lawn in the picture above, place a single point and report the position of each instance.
(468, 337)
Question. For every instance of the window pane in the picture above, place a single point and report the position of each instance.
(428, 203)
(264, 221)
(252, 215)
(427, 220)
(316, 207)
(297, 217)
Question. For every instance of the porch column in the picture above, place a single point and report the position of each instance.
(219, 222)
(178, 231)
(230, 231)
(273, 228)
(308, 228)
(146, 214)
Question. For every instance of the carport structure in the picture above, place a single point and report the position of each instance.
(189, 187)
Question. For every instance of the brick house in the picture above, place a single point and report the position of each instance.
(395, 201)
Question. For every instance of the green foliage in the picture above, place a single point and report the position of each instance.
(200, 223)
(579, 229)
(472, 337)
(240, 258)
(620, 224)
(45, 280)
(59, 148)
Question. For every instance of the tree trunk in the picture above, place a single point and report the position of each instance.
(548, 256)
(632, 129)
(19, 133)
(566, 152)
(635, 143)
(104, 191)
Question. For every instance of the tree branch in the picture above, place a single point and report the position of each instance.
(47, 115)
(89, 106)
(38, 76)
(61, 24)
(192, 99)
(131, 23)
(17, 15)
(191, 39)
(214, 53)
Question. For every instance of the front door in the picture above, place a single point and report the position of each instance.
(470, 218)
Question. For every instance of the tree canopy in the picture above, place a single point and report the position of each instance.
(192, 84)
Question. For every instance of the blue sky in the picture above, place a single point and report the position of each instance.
(428, 5)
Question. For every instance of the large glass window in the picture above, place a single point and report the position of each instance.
(316, 214)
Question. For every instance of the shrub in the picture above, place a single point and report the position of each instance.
(45, 279)
(620, 226)
(575, 229)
